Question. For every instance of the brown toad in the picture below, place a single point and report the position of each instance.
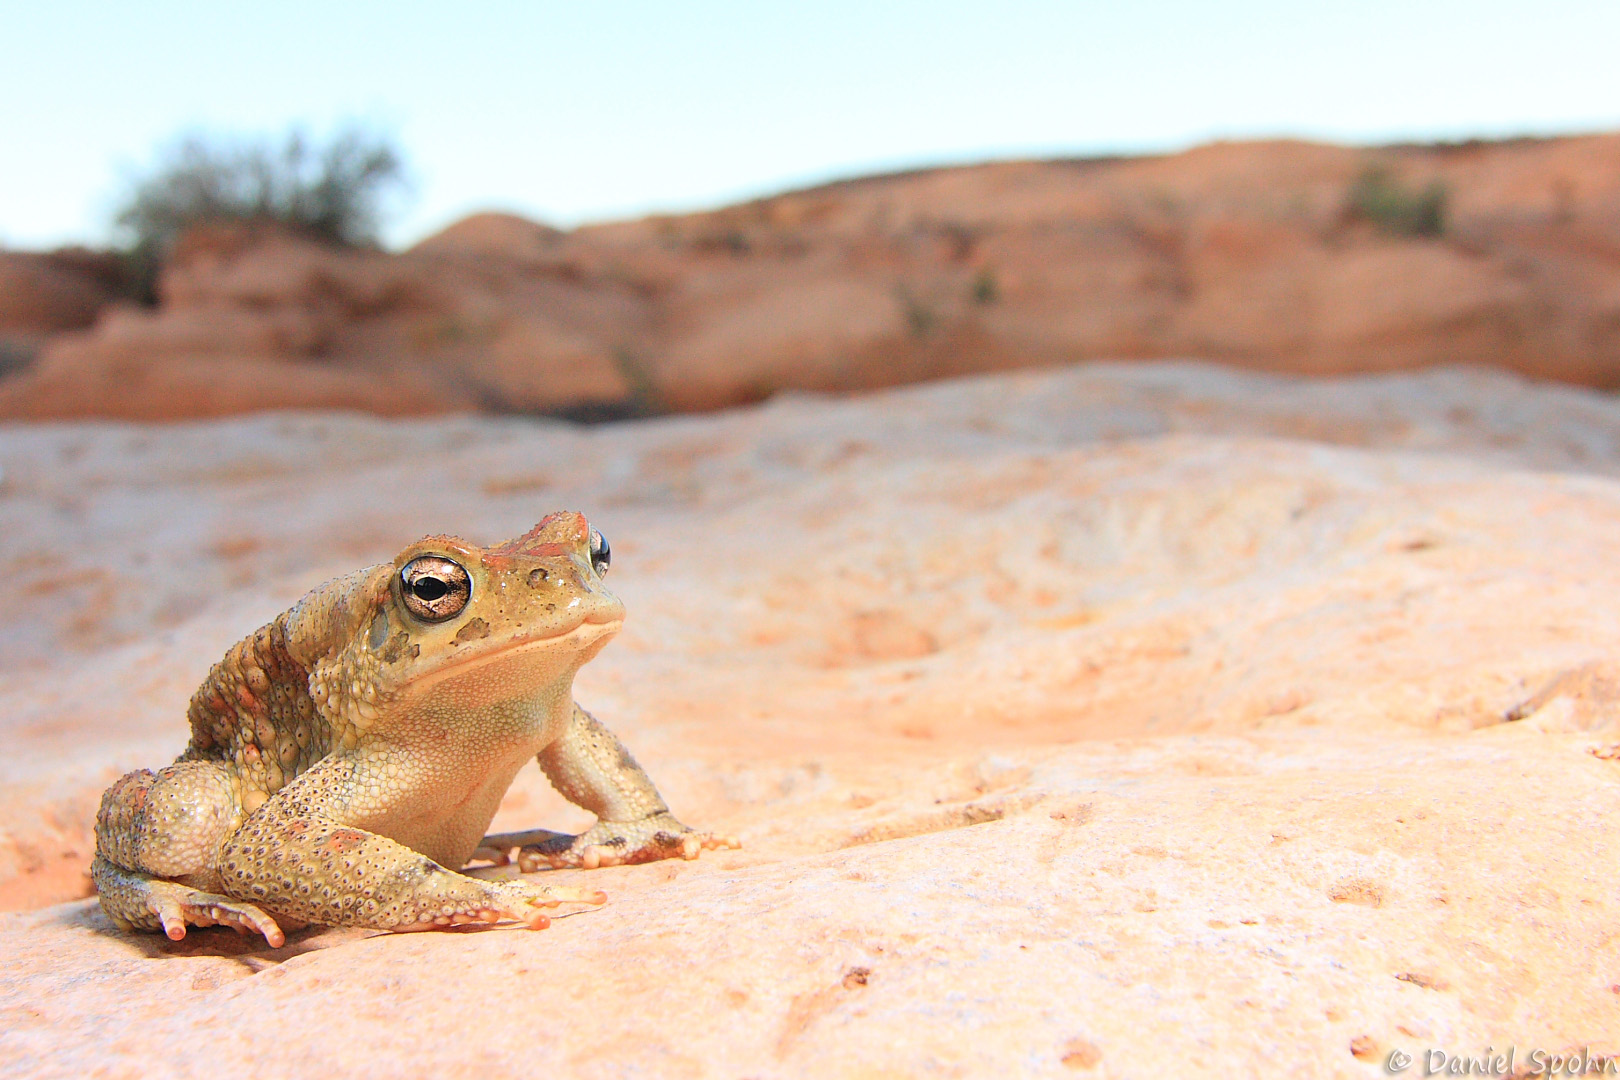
(346, 759)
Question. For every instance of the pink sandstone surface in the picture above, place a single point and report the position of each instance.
(1115, 721)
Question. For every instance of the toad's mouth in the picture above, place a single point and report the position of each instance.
(583, 639)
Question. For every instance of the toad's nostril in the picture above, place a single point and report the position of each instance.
(538, 576)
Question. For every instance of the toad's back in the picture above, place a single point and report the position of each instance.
(254, 709)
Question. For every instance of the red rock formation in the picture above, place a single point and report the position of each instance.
(45, 294)
(1281, 255)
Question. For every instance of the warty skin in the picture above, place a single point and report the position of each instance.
(347, 758)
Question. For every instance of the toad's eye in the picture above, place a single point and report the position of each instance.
(601, 553)
(434, 588)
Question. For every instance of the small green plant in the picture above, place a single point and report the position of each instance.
(1391, 207)
(14, 356)
(985, 290)
(920, 316)
(637, 374)
(334, 191)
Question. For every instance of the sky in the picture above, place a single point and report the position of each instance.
(578, 112)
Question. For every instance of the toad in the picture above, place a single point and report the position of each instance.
(346, 759)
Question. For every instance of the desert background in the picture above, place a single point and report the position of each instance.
(1140, 593)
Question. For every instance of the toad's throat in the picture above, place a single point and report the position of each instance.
(581, 639)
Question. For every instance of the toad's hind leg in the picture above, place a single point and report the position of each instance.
(298, 855)
(137, 901)
(157, 842)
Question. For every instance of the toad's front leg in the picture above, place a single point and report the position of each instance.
(592, 769)
(293, 859)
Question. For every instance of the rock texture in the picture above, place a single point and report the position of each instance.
(1130, 720)
(1281, 255)
(42, 295)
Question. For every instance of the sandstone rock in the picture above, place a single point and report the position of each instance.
(489, 235)
(1259, 254)
(270, 269)
(257, 318)
(45, 294)
(60, 290)
(80, 376)
(1111, 721)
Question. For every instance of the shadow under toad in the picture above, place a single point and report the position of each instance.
(224, 943)
(218, 941)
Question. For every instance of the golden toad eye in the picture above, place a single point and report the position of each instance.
(434, 588)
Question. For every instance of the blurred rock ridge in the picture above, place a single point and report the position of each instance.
(1284, 256)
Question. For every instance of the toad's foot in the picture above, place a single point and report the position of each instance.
(615, 843)
(137, 900)
(211, 909)
(499, 848)
(507, 901)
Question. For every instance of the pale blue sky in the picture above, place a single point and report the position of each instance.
(577, 112)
